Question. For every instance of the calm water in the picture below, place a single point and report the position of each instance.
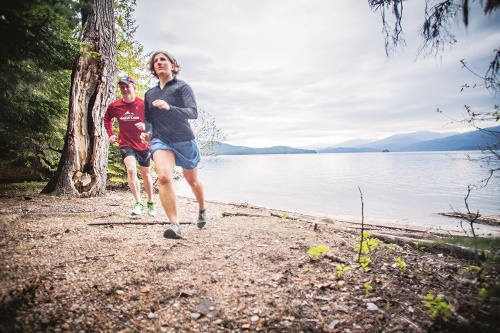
(404, 189)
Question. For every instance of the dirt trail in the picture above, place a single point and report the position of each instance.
(71, 265)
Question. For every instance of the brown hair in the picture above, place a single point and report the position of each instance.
(176, 68)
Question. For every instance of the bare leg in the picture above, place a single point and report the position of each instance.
(148, 182)
(133, 181)
(196, 186)
(165, 163)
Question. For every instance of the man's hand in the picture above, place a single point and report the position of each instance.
(140, 126)
(145, 137)
(112, 139)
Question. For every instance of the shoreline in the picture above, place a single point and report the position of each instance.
(481, 229)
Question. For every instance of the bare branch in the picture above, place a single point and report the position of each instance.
(393, 36)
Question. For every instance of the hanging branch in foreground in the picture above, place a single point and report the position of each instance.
(362, 224)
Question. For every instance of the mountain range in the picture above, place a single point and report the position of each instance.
(415, 141)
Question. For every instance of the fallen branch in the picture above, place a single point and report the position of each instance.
(103, 216)
(237, 250)
(224, 214)
(85, 258)
(134, 223)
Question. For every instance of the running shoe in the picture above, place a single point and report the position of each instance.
(151, 209)
(202, 219)
(138, 209)
(173, 232)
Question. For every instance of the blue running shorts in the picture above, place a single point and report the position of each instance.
(187, 153)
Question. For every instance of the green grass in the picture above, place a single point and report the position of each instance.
(488, 246)
(481, 243)
(24, 188)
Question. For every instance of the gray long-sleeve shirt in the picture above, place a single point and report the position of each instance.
(172, 125)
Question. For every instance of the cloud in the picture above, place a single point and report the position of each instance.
(303, 72)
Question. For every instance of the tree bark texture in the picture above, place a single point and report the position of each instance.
(82, 168)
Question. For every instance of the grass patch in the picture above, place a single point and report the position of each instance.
(488, 246)
(481, 243)
(25, 188)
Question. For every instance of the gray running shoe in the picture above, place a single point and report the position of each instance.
(202, 218)
(173, 232)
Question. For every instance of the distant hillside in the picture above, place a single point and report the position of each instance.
(227, 149)
(349, 143)
(466, 141)
(425, 141)
(398, 141)
(416, 141)
(392, 143)
(347, 150)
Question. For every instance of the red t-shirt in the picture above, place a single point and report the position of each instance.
(128, 114)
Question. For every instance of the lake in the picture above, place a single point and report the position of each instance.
(406, 189)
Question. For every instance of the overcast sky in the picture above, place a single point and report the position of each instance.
(314, 72)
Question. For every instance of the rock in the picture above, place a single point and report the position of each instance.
(207, 308)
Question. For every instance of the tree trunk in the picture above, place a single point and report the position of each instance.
(82, 168)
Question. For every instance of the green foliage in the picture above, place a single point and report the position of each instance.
(207, 134)
(316, 252)
(37, 51)
(392, 246)
(116, 172)
(437, 307)
(401, 264)
(490, 294)
(130, 56)
(27, 188)
(368, 288)
(477, 273)
(481, 243)
(364, 262)
(419, 248)
(341, 269)
(485, 245)
(369, 244)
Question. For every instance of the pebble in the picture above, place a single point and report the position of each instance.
(332, 324)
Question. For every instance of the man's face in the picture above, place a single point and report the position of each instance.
(127, 90)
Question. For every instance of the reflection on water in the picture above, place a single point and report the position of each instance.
(407, 189)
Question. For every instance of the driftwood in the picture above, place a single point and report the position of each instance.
(226, 214)
(482, 219)
(430, 246)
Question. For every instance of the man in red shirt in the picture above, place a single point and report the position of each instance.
(129, 111)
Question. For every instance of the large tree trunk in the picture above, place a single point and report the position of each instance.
(83, 164)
